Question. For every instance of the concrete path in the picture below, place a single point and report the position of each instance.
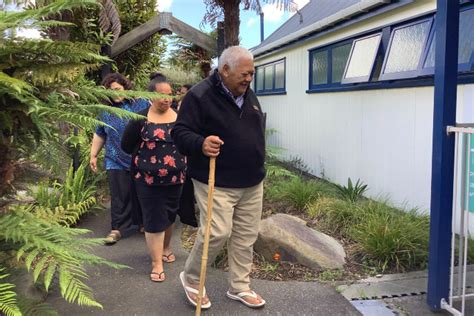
(130, 292)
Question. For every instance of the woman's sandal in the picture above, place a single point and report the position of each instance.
(112, 238)
(169, 258)
(161, 276)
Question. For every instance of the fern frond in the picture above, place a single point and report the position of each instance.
(71, 117)
(47, 152)
(65, 252)
(31, 307)
(54, 7)
(65, 215)
(31, 24)
(8, 301)
(10, 83)
(29, 52)
(46, 74)
(73, 289)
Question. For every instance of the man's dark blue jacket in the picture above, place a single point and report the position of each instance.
(208, 110)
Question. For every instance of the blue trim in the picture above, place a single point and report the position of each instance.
(446, 74)
(262, 94)
(410, 83)
(369, 75)
(422, 71)
(461, 67)
(405, 74)
(273, 90)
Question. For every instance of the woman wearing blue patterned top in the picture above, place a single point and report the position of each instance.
(117, 162)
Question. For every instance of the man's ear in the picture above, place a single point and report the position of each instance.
(225, 70)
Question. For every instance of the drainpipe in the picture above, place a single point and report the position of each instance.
(262, 33)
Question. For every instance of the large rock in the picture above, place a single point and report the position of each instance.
(295, 242)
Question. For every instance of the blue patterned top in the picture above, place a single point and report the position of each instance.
(115, 157)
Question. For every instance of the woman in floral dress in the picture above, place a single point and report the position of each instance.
(159, 174)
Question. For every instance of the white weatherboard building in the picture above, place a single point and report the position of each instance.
(348, 86)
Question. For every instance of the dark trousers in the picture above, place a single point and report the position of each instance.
(121, 202)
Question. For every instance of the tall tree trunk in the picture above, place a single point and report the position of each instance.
(231, 22)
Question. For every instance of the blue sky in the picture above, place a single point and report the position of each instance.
(192, 11)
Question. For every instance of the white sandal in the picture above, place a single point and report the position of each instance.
(240, 297)
(188, 289)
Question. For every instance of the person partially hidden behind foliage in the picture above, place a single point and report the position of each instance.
(182, 92)
(117, 162)
(159, 173)
(221, 117)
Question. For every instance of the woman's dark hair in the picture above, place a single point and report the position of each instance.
(157, 75)
(118, 78)
(156, 78)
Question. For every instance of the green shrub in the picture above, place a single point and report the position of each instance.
(65, 203)
(297, 192)
(334, 215)
(351, 192)
(390, 238)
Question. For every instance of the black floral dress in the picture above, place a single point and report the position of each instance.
(157, 161)
(159, 174)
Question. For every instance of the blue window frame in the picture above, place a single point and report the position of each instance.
(394, 56)
(405, 50)
(466, 45)
(327, 65)
(360, 64)
(270, 78)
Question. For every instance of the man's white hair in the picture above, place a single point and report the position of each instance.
(231, 55)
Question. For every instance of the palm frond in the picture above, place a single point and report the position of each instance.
(109, 19)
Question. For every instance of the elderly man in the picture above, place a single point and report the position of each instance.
(221, 117)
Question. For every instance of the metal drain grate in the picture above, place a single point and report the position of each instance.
(374, 308)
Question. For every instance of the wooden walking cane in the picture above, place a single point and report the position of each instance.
(207, 233)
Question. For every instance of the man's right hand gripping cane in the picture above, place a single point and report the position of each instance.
(212, 146)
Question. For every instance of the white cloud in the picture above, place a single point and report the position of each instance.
(299, 5)
(164, 5)
(272, 13)
(251, 22)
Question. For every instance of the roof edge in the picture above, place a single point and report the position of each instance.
(344, 14)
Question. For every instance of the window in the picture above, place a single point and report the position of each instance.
(408, 53)
(270, 78)
(361, 59)
(327, 65)
(405, 50)
(466, 45)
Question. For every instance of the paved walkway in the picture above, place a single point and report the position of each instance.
(130, 292)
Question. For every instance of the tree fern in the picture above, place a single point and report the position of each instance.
(8, 302)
